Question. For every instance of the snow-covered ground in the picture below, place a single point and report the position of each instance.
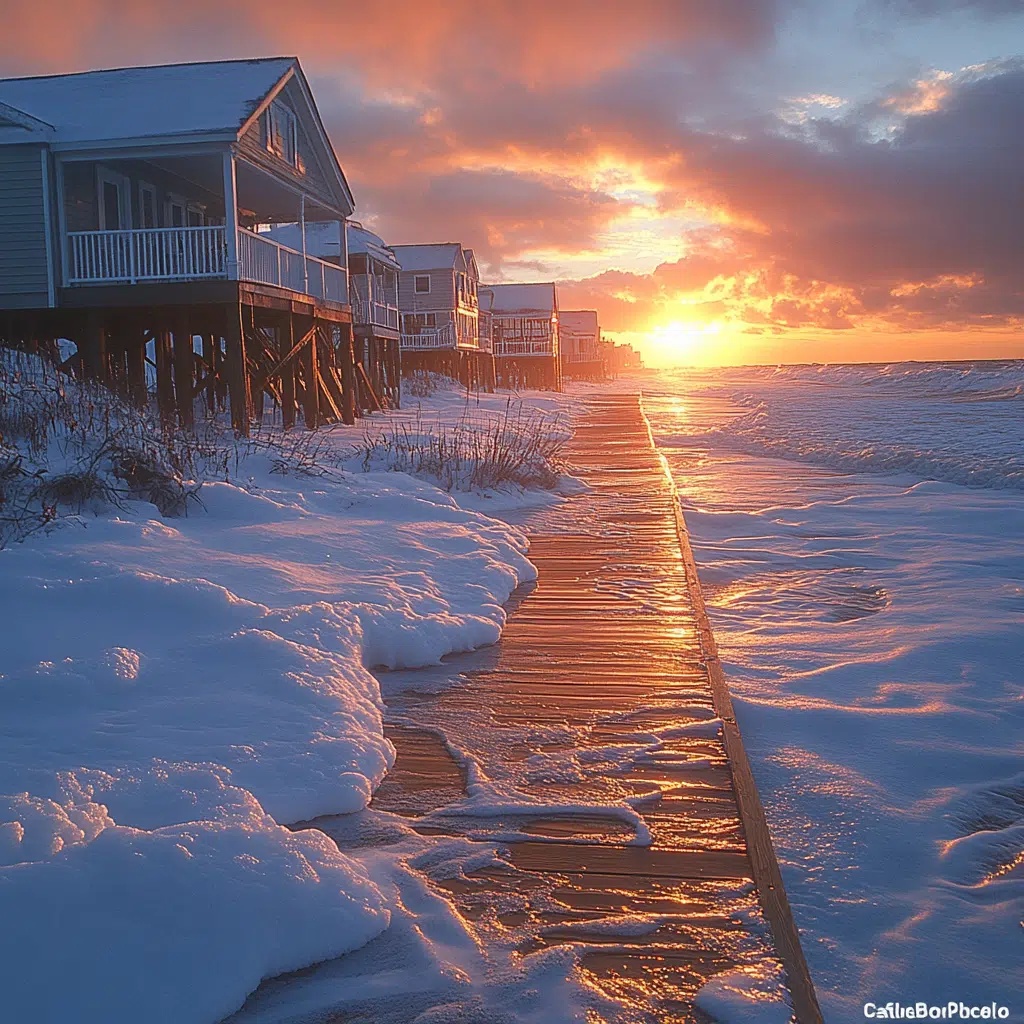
(860, 538)
(173, 691)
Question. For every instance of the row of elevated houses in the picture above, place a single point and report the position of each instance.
(190, 226)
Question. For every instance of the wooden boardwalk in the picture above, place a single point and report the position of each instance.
(611, 645)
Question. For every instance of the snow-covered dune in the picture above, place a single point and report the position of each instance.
(173, 690)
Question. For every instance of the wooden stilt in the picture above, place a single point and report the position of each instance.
(117, 367)
(236, 370)
(164, 378)
(286, 340)
(184, 369)
(311, 385)
(220, 363)
(135, 359)
(346, 364)
(330, 406)
(396, 362)
(94, 350)
(210, 347)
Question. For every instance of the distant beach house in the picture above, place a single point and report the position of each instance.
(130, 208)
(440, 312)
(525, 327)
(618, 358)
(579, 340)
(373, 287)
(373, 292)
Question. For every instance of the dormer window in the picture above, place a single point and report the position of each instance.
(282, 133)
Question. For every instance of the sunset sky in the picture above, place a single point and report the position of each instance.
(724, 180)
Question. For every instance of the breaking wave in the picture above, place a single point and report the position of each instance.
(961, 423)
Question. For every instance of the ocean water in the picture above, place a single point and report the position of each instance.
(860, 537)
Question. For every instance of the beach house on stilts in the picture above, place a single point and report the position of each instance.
(131, 209)
(579, 342)
(373, 291)
(525, 328)
(440, 312)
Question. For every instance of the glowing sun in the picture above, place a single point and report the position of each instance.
(682, 341)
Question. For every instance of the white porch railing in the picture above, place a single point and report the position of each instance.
(264, 261)
(146, 254)
(378, 313)
(198, 253)
(524, 348)
(443, 337)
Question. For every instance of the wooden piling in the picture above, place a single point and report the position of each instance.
(210, 347)
(184, 369)
(164, 374)
(310, 384)
(286, 341)
(135, 358)
(94, 349)
(235, 369)
(346, 364)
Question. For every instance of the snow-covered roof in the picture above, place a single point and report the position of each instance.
(578, 321)
(524, 298)
(323, 238)
(362, 240)
(428, 257)
(130, 103)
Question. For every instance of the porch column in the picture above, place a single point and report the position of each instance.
(302, 228)
(230, 215)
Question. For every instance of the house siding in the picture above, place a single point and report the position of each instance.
(440, 296)
(24, 277)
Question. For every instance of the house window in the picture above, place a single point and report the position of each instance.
(195, 216)
(282, 133)
(147, 205)
(422, 284)
(175, 212)
(114, 200)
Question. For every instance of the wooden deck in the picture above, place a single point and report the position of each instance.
(611, 643)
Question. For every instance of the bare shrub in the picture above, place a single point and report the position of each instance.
(306, 453)
(521, 448)
(68, 446)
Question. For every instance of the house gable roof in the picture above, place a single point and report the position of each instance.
(361, 240)
(524, 298)
(215, 100)
(12, 117)
(578, 321)
(148, 102)
(441, 256)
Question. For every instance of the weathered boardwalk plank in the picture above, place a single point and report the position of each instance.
(612, 643)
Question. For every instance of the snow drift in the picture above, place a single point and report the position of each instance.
(173, 690)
